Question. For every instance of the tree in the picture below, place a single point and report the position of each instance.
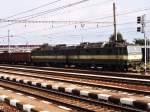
(119, 38)
(139, 41)
(113, 43)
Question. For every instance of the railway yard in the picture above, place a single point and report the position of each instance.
(74, 56)
(49, 89)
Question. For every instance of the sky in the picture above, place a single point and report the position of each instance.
(99, 12)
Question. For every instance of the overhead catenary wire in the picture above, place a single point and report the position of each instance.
(103, 26)
(129, 29)
(123, 14)
(98, 33)
(61, 26)
(71, 24)
(119, 14)
(87, 6)
(30, 10)
(28, 18)
(130, 22)
(20, 13)
(56, 22)
(106, 1)
(48, 11)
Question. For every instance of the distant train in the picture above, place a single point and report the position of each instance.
(85, 55)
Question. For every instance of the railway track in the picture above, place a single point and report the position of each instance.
(104, 77)
(77, 103)
(139, 89)
(99, 84)
(95, 72)
(58, 79)
(64, 79)
(28, 103)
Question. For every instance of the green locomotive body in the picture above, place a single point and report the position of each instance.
(105, 57)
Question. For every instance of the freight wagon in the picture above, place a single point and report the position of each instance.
(15, 57)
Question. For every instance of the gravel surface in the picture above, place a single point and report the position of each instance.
(7, 108)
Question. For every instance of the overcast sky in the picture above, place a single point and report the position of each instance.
(92, 10)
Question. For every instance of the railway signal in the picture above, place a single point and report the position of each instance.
(138, 29)
(139, 20)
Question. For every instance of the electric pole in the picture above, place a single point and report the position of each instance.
(141, 20)
(145, 38)
(115, 28)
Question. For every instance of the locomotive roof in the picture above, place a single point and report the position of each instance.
(85, 45)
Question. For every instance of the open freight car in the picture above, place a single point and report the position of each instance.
(4, 57)
(15, 57)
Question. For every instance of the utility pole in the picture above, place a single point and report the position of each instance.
(145, 38)
(141, 20)
(8, 41)
(115, 28)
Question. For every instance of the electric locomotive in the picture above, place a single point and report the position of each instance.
(88, 55)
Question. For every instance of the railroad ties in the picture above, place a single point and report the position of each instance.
(92, 98)
(28, 103)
